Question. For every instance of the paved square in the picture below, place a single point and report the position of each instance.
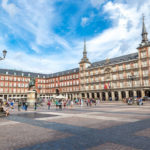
(107, 126)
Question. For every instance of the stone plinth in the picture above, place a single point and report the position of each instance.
(31, 98)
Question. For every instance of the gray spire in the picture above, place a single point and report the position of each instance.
(144, 33)
(84, 51)
(84, 59)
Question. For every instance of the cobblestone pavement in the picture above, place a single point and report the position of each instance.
(107, 126)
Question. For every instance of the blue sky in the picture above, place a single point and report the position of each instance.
(47, 36)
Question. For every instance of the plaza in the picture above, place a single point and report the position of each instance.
(106, 126)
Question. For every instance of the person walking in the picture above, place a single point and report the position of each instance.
(35, 106)
(19, 105)
(49, 104)
(26, 106)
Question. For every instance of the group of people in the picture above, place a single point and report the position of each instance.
(5, 106)
(63, 103)
(24, 105)
(130, 101)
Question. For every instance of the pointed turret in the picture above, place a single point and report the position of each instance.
(144, 33)
(84, 63)
(84, 59)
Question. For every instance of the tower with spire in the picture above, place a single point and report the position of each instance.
(144, 33)
(84, 63)
(145, 42)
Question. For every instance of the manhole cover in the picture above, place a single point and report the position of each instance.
(35, 115)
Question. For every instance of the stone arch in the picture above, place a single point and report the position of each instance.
(147, 93)
(130, 93)
(139, 94)
(103, 96)
(116, 96)
(123, 94)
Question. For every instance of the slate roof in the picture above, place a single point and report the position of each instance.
(32, 74)
(115, 60)
(71, 71)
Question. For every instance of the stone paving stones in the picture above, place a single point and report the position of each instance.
(85, 122)
(21, 135)
(108, 126)
(34, 115)
(145, 132)
(112, 146)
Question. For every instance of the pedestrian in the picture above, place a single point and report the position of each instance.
(87, 103)
(57, 104)
(64, 103)
(35, 106)
(26, 106)
(19, 105)
(12, 105)
(60, 105)
(72, 103)
(82, 102)
(49, 104)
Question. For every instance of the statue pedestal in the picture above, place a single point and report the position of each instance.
(31, 98)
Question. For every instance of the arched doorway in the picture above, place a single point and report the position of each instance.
(130, 93)
(147, 93)
(103, 96)
(88, 95)
(138, 93)
(98, 96)
(109, 96)
(93, 95)
(83, 95)
(116, 96)
(123, 94)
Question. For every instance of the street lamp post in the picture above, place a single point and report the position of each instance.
(132, 78)
(4, 55)
(2, 58)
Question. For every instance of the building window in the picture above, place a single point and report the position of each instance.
(121, 76)
(144, 64)
(2, 78)
(91, 73)
(127, 66)
(145, 72)
(143, 54)
(146, 82)
(96, 72)
(97, 87)
(135, 65)
(120, 67)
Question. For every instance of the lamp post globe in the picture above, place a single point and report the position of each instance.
(4, 53)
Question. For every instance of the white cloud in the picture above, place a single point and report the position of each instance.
(37, 19)
(125, 34)
(122, 38)
(35, 48)
(84, 21)
(10, 8)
